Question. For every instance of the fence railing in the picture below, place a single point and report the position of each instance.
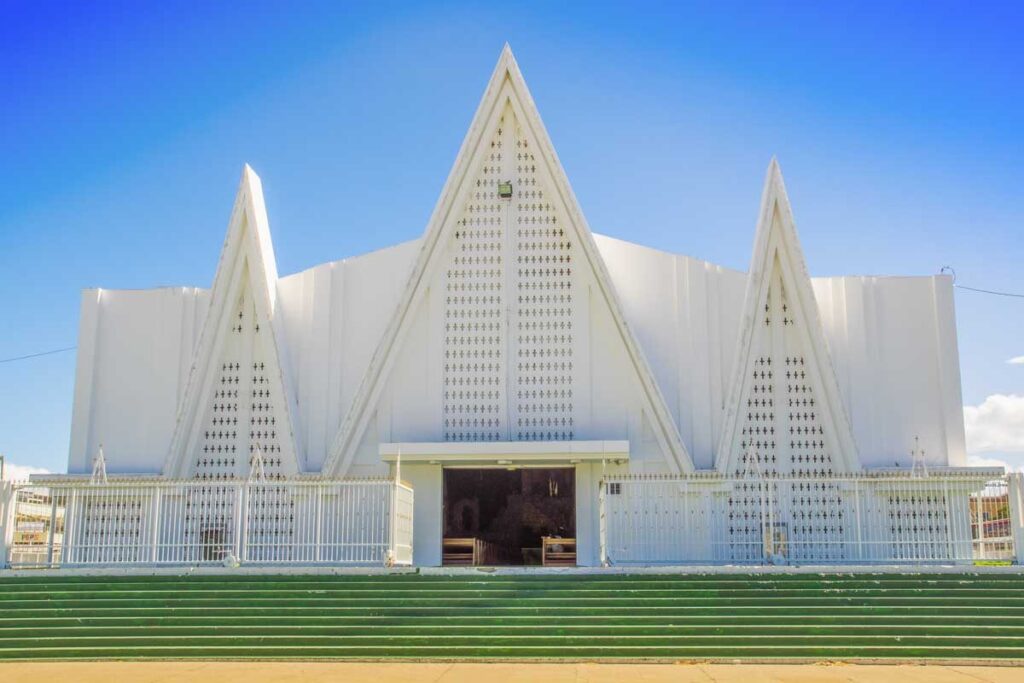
(945, 518)
(342, 522)
(644, 520)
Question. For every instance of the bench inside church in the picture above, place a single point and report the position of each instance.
(508, 517)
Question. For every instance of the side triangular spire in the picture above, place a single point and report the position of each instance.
(508, 246)
(784, 408)
(237, 400)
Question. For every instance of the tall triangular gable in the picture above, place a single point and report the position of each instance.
(237, 399)
(506, 136)
(784, 413)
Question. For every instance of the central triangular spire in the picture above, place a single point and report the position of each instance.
(511, 263)
(784, 407)
(237, 401)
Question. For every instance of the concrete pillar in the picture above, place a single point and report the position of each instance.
(588, 478)
(427, 483)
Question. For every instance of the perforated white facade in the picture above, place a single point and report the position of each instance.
(509, 334)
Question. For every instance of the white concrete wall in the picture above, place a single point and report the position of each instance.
(334, 316)
(892, 341)
(685, 314)
(135, 350)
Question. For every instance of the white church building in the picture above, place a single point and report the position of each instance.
(512, 388)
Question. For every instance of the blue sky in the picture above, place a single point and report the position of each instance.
(124, 127)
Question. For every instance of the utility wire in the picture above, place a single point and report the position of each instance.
(989, 291)
(36, 355)
(948, 270)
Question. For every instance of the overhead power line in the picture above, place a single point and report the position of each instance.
(949, 270)
(36, 355)
(989, 291)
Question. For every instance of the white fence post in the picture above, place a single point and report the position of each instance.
(857, 519)
(154, 538)
(389, 554)
(240, 519)
(68, 551)
(51, 536)
(1015, 493)
(602, 524)
(319, 533)
(979, 520)
(8, 503)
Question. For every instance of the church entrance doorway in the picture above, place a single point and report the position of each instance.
(522, 516)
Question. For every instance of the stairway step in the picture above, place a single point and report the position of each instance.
(441, 631)
(534, 616)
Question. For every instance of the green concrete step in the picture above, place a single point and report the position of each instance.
(555, 651)
(508, 630)
(553, 604)
(937, 620)
(524, 592)
(10, 586)
(505, 610)
(537, 616)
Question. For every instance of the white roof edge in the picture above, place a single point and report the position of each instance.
(380, 250)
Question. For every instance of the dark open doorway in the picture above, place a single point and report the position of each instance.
(523, 516)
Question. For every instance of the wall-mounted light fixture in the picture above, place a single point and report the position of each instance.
(505, 189)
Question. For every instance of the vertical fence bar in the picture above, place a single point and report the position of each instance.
(857, 519)
(602, 523)
(154, 523)
(8, 498)
(1015, 503)
(950, 544)
(979, 518)
(391, 554)
(53, 528)
(71, 528)
(240, 516)
(318, 537)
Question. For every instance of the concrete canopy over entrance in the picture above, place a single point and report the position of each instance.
(506, 452)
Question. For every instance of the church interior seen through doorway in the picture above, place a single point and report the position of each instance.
(523, 516)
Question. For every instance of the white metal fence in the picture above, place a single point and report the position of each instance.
(343, 522)
(644, 520)
(895, 519)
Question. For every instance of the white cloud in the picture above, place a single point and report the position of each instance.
(995, 426)
(1016, 360)
(14, 472)
(982, 461)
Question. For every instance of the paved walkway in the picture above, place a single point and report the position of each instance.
(316, 672)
